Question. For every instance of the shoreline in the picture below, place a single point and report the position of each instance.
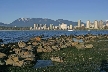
(55, 30)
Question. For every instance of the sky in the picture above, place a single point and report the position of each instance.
(72, 10)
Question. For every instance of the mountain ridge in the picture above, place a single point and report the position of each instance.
(29, 22)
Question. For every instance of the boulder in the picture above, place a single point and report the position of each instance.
(49, 49)
(56, 59)
(87, 41)
(74, 43)
(15, 59)
(21, 44)
(2, 55)
(63, 46)
(34, 43)
(29, 47)
(52, 40)
(17, 50)
(9, 61)
(27, 55)
(29, 43)
(68, 44)
(39, 49)
(44, 50)
(88, 46)
(18, 63)
(54, 47)
(80, 46)
(37, 38)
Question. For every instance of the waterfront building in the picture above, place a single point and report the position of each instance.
(51, 27)
(75, 27)
(70, 26)
(79, 23)
(59, 27)
(56, 27)
(44, 27)
(91, 25)
(104, 26)
(37, 25)
(100, 26)
(82, 25)
(31, 28)
(106, 22)
(64, 26)
(88, 24)
(48, 28)
(95, 24)
(34, 26)
(40, 26)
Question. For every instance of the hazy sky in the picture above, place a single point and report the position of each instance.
(72, 10)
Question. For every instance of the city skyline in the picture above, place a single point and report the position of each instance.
(63, 26)
(96, 25)
(71, 10)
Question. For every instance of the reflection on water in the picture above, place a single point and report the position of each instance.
(77, 40)
(43, 63)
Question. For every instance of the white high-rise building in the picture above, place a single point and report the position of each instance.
(70, 26)
(37, 25)
(34, 26)
(100, 25)
(51, 27)
(79, 23)
(44, 27)
(59, 27)
(31, 28)
(95, 24)
(40, 26)
(88, 24)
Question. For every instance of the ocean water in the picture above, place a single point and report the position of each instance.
(15, 36)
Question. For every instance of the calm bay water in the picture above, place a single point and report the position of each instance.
(15, 36)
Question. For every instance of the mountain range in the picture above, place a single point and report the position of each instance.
(29, 22)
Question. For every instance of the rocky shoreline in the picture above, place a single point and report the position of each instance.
(25, 53)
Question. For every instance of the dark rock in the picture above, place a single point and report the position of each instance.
(1, 40)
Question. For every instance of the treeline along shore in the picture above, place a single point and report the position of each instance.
(71, 53)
